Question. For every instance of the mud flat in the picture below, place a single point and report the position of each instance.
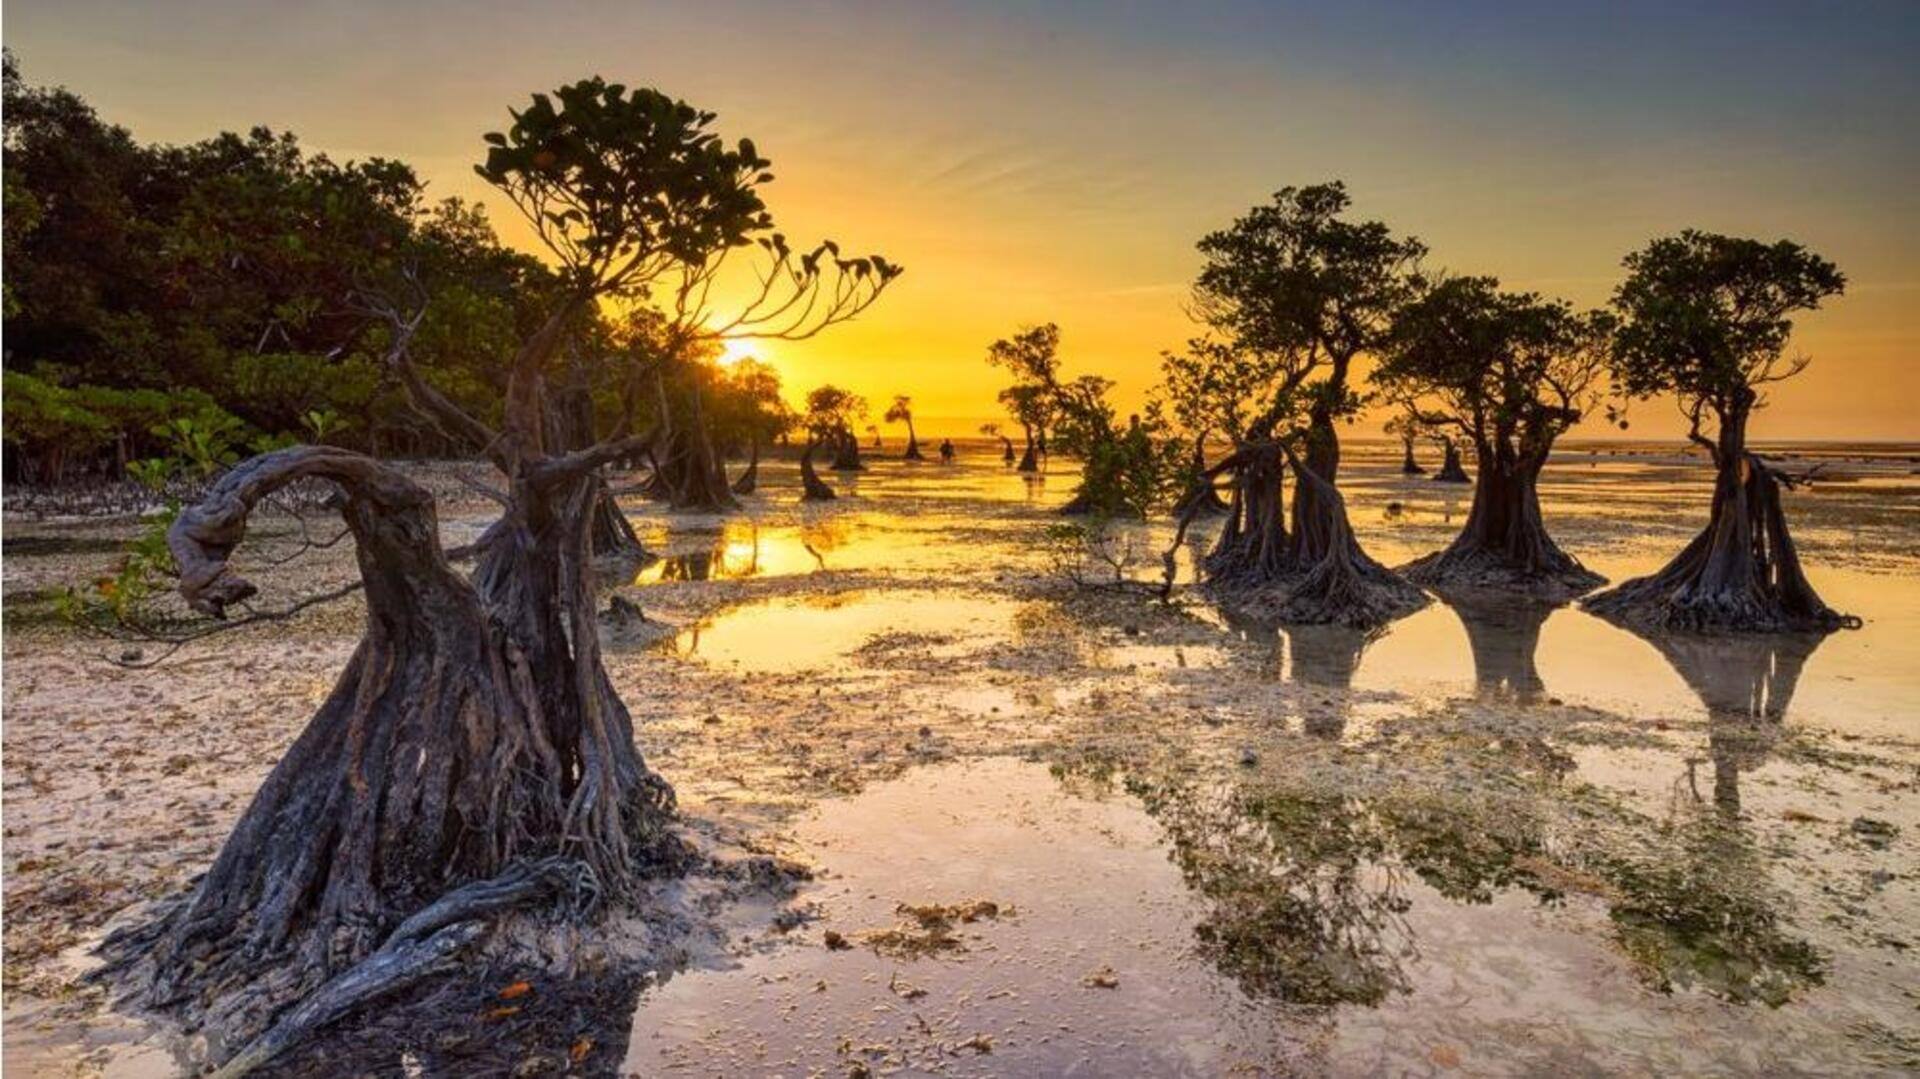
(1053, 830)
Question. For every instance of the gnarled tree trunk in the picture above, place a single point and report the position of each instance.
(913, 446)
(611, 534)
(1029, 462)
(1252, 549)
(1409, 466)
(1450, 469)
(690, 474)
(572, 427)
(474, 731)
(1333, 579)
(1741, 573)
(749, 480)
(1504, 543)
(812, 487)
(1006, 450)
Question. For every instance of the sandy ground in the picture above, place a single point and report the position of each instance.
(918, 625)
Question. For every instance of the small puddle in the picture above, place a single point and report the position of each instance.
(1085, 968)
(859, 629)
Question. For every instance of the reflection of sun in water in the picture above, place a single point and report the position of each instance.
(734, 351)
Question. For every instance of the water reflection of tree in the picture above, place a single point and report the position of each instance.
(1326, 655)
(1301, 905)
(1746, 683)
(734, 551)
(1503, 632)
(821, 534)
(1696, 907)
(1329, 656)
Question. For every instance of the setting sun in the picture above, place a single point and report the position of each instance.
(735, 351)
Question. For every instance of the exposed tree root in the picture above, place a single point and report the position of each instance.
(439, 760)
(1741, 574)
(1479, 568)
(426, 944)
(689, 475)
(1348, 589)
(611, 534)
(1316, 574)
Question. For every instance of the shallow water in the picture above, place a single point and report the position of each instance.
(1496, 794)
(1514, 977)
(1081, 886)
(808, 633)
(943, 523)
(1102, 958)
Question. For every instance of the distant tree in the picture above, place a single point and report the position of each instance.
(901, 411)
(1032, 356)
(749, 410)
(1706, 318)
(992, 430)
(1028, 406)
(1407, 428)
(829, 419)
(1509, 373)
(1208, 390)
(832, 413)
(1124, 468)
(1451, 471)
(1296, 285)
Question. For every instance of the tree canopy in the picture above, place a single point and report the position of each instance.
(1707, 318)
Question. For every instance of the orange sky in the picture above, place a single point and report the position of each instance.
(1057, 162)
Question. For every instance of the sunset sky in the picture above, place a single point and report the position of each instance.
(1034, 162)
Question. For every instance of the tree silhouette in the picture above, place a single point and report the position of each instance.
(992, 430)
(1295, 293)
(474, 755)
(901, 411)
(1510, 372)
(831, 413)
(1407, 428)
(1707, 318)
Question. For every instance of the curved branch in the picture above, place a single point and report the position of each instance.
(204, 535)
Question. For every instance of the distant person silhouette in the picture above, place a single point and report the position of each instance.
(946, 451)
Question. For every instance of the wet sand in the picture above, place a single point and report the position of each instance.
(1492, 838)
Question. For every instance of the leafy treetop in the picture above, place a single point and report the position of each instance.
(1707, 317)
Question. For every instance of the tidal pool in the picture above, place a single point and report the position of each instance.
(996, 918)
(805, 633)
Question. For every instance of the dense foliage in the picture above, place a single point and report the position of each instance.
(217, 282)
